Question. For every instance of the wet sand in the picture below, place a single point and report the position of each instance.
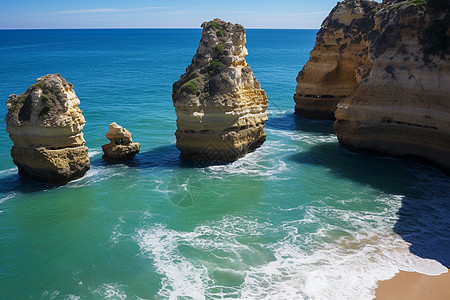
(414, 286)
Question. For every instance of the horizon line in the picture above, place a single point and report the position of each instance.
(106, 28)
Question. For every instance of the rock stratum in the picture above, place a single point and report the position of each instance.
(45, 125)
(121, 146)
(338, 61)
(401, 107)
(220, 105)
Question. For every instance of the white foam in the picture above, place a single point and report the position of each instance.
(111, 290)
(8, 196)
(260, 163)
(342, 259)
(8, 172)
(182, 278)
(94, 152)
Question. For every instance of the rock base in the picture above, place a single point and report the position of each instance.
(119, 153)
(226, 148)
(54, 166)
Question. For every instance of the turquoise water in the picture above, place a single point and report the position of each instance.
(300, 218)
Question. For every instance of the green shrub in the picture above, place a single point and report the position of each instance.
(215, 25)
(421, 3)
(44, 111)
(219, 32)
(22, 98)
(219, 48)
(190, 87)
(192, 75)
(216, 64)
(398, 5)
(40, 84)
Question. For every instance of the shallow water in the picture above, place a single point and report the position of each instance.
(298, 218)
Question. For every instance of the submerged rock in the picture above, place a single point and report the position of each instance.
(339, 59)
(220, 105)
(121, 146)
(45, 125)
(402, 108)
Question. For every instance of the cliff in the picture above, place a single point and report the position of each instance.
(45, 125)
(339, 59)
(220, 105)
(402, 108)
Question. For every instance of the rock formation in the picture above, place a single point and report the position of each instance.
(403, 107)
(121, 146)
(45, 125)
(220, 106)
(338, 61)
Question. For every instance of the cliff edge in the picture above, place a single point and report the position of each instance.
(339, 60)
(402, 108)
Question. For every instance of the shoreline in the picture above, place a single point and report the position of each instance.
(414, 286)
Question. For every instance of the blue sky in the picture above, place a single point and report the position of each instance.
(161, 14)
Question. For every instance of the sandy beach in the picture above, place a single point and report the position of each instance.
(414, 286)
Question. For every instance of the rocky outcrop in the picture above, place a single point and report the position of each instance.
(339, 59)
(45, 125)
(220, 105)
(121, 146)
(403, 107)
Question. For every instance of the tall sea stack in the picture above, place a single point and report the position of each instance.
(45, 125)
(220, 105)
(338, 61)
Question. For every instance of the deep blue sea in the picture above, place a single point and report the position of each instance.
(299, 218)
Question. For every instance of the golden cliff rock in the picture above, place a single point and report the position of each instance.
(338, 61)
(45, 125)
(402, 108)
(220, 105)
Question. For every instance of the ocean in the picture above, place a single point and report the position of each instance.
(299, 218)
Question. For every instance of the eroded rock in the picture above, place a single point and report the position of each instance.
(220, 105)
(121, 147)
(45, 125)
(339, 59)
(402, 108)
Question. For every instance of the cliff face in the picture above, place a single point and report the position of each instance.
(403, 107)
(45, 125)
(339, 59)
(220, 105)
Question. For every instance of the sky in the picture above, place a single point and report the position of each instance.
(53, 14)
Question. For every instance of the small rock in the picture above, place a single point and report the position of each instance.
(121, 146)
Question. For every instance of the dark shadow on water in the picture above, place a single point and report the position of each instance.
(424, 216)
(22, 184)
(163, 157)
(292, 122)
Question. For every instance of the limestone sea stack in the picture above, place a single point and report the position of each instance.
(220, 105)
(121, 147)
(402, 108)
(45, 125)
(338, 61)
